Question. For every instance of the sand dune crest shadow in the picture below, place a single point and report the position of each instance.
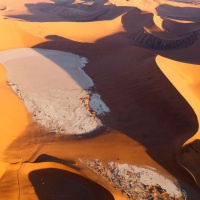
(56, 184)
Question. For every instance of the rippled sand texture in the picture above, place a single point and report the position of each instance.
(99, 99)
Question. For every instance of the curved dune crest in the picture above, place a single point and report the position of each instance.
(185, 77)
(158, 21)
(54, 89)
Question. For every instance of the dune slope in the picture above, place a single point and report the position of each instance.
(140, 85)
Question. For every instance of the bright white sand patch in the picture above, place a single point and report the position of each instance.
(137, 182)
(54, 88)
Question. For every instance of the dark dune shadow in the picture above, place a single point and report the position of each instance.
(136, 19)
(56, 184)
(71, 11)
(189, 157)
(176, 12)
(177, 27)
(193, 147)
(49, 158)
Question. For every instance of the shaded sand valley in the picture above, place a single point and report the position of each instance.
(142, 67)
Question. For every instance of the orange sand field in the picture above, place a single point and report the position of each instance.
(143, 57)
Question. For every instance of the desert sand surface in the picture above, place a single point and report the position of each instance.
(99, 99)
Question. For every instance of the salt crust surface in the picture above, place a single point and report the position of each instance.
(133, 179)
(149, 176)
(54, 88)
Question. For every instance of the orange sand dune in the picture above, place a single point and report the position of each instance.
(143, 58)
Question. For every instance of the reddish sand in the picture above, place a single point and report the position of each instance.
(144, 60)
